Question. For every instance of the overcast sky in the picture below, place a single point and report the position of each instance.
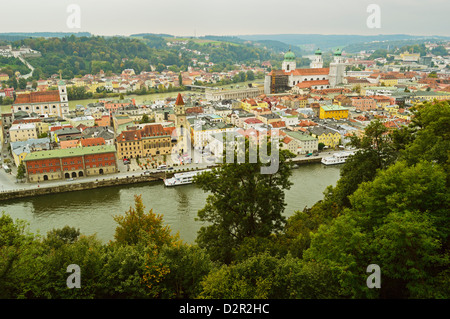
(231, 17)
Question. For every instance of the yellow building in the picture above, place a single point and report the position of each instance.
(392, 109)
(250, 104)
(151, 140)
(326, 136)
(93, 86)
(333, 111)
(389, 82)
(4, 77)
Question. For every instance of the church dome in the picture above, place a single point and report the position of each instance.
(289, 56)
(337, 52)
(318, 52)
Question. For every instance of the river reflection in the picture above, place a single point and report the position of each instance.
(92, 211)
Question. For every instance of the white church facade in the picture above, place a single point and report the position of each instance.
(314, 77)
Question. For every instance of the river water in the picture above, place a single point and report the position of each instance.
(92, 211)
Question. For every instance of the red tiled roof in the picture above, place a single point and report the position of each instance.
(26, 121)
(169, 129)
(38, 97)
(311, 71)
(287, 140)
(278, 124)
(179, 100)
(194, 109)
(308, 84)
(92, 141)
(252, 121)
(147, 131)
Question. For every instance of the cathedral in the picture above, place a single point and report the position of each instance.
(314, 77)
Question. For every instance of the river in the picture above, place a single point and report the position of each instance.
(92, 211)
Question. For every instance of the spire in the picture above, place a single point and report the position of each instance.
(179, 100)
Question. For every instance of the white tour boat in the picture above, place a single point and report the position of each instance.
(183, 178)
(337, 158)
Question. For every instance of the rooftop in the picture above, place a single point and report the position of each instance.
(69, 152)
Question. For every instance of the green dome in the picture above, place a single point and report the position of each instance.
(337, 52)
(318, 52)
(289, 56)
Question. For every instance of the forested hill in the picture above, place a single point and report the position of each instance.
(75, 55)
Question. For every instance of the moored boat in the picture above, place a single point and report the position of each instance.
(183, 178)
(337, 158)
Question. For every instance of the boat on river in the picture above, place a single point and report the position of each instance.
(183, 178)
(337, 158)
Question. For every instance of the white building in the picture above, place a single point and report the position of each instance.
(22, 132)
(51, 102)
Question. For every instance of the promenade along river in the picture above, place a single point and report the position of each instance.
(92, 211)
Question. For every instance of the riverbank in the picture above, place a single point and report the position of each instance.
(105, 181)
(79, 186)
(92, 211)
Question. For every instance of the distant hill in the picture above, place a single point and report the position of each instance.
(310, 42)
(15, 36)
(163, 35)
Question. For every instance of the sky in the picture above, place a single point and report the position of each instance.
(231, 17)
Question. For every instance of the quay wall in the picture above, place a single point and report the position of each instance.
(78, 186)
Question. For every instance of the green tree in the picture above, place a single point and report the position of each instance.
(22, 84)
(136, 227)
(244, 204)
(269, 277)
(394, 222)
(21, 171)
(144, 119)
(14, 240)
(375, 151)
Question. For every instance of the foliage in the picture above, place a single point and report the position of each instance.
(397, 221)
(389, 208)
(136, 227)
(21, 171)
(246, 203)
(267, 277)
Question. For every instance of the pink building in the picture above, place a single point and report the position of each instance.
(364, 103)
(69, 144)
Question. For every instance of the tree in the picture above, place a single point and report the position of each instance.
(321, 146)
(375, 151)
(21, 171)
(136, 227)
(394, 222)
(22, 84)
(431, 132)
(144, 119)
(244, 204)
(250, 75)
(269, 277)
(14, 240)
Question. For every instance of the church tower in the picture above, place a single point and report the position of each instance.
(181, 124)
(337, 69)
(289, 64)
(63, 99)
(317, 62)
